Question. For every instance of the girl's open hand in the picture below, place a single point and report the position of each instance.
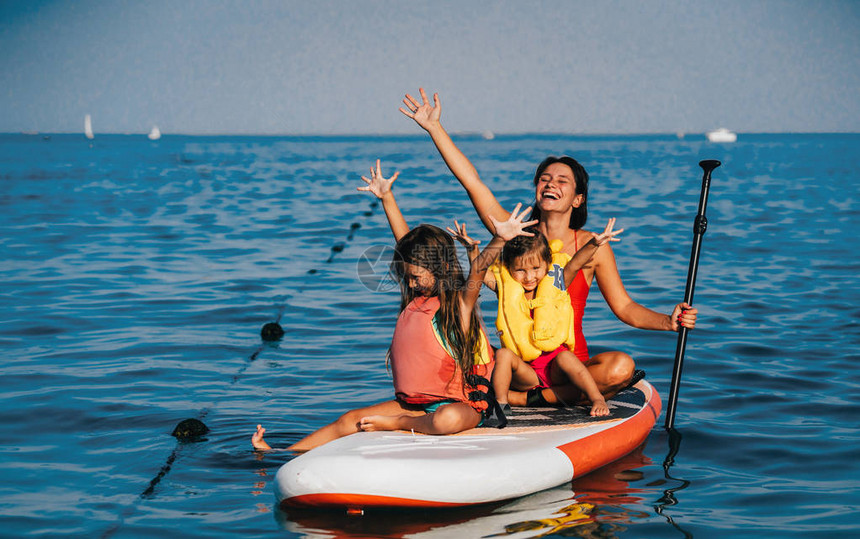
(513, 227)
(608, 234)
(459, 234)
(424, 114)
(683, 315)
(377, 184)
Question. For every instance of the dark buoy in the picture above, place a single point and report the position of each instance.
(189, 429)
(352, 228)
(272, 332)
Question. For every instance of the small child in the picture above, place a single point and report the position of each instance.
(535, 318)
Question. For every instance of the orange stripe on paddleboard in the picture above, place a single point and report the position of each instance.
(601, 448)
(361, 501)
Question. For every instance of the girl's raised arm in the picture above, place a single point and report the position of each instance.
(472, 249)
(586, 252)
(506, 230)
(471, 244)
(381, 187)
(428, 117)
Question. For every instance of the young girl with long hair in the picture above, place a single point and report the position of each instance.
(438, 345)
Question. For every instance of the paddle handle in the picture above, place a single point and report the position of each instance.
(700, 225)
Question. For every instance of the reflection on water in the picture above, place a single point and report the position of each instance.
(668, 499)
(576, 515)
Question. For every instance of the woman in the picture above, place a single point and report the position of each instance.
(561, 196)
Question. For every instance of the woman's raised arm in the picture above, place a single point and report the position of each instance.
(428, 115)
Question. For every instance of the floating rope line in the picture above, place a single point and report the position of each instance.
(193, 430)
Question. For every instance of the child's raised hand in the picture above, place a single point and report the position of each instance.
(377, 184)
(608, 234)
(513, 227)
(423, 113)
(459, 234)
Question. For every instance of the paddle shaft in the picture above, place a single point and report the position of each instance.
(699, 227)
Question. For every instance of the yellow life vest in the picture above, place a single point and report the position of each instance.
(551, 325)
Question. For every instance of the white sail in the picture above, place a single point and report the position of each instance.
(88, 127)
(155, 134)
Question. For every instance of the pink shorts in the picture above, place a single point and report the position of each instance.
(542, 366)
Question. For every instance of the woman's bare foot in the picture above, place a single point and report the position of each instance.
(379, 422)
(257, 439)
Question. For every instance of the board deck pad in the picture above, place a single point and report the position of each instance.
(624, 404)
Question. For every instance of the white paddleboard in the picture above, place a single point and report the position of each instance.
(539, 449)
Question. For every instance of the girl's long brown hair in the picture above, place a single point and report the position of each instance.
(433, 249)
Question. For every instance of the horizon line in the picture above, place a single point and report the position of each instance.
(488, 135)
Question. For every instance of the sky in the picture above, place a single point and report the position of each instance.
(342, 67)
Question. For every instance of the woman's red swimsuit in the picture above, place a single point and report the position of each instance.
(578, 292)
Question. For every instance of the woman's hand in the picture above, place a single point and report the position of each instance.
(424, 114)
(683, 315)
(459, 234)
(513, 227)
(608, 234)
(377, 184)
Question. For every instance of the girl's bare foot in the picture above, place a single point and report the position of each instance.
(379, 422)
(599, 409)
(257, 439)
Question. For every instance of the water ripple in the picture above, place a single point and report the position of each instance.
(137, 278)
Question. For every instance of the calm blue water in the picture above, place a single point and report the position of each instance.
(136, 276)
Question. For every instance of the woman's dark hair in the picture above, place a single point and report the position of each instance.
(433, 249)
(580, 176)
(525, 245)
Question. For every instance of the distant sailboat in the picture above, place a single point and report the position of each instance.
(88, 126)
(155, 134)
(721, 135)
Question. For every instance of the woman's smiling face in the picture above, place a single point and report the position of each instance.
(556, 189)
